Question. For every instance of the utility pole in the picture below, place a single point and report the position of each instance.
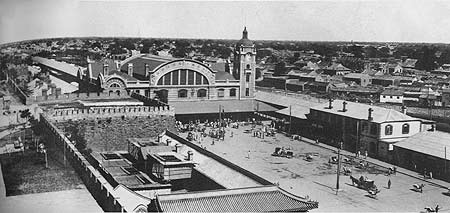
(338, 167)
(220, 115)
(290, 118)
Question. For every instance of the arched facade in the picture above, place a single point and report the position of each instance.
(183, 80)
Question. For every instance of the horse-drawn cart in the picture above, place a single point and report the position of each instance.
(364, 183)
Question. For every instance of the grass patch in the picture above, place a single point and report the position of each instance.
(25, 173)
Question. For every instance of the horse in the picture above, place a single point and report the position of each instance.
(418, 187)
(354, 180)
(373, 193)
(347, 171)
(430, 209)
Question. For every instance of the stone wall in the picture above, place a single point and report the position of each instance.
(110, 134)
(111, 199)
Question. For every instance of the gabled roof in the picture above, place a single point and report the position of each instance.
(253, 199)
(337, 66)
(361, 112)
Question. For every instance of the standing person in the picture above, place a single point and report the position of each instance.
(358, 154)
(365, 154)
(389, 183)
(248, 154)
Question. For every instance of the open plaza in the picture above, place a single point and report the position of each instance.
(316, 177)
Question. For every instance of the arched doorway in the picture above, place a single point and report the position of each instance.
(162, 95)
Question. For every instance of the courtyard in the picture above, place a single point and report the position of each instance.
(316, 178)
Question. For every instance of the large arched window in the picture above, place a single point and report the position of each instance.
(221, 93)
(405, 128)
(232, 92)
(183, 77)
(182, 93)
(201, 93)
(388, 130)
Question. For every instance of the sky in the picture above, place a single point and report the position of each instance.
(321, 20)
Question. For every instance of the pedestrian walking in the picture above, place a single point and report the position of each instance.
(389, 183)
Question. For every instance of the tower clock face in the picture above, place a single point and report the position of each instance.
(248, 57)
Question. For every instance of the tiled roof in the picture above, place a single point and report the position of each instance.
(430, 143)
(360, 111)
(224, 76)
(254, 199)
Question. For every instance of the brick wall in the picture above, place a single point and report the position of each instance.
(110, 134)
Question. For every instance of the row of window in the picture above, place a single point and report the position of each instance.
(201, 93)
(398, 97)
(183, 77)
(389, 129)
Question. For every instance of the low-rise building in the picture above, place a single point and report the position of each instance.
(359, 78)
(391, 96)
(362, 127)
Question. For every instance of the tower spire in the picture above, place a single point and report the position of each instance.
(245, 33)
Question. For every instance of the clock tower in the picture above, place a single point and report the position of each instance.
(244, 66)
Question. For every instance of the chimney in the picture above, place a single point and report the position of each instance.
(105, 69)
(89, 69)
(330, 103)
(370, 118)
(190, 156)
(58, 92)
(147, 70)
(404, 109)
(44, 93)
(130, 69)
(53, 89)
(343, 106)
